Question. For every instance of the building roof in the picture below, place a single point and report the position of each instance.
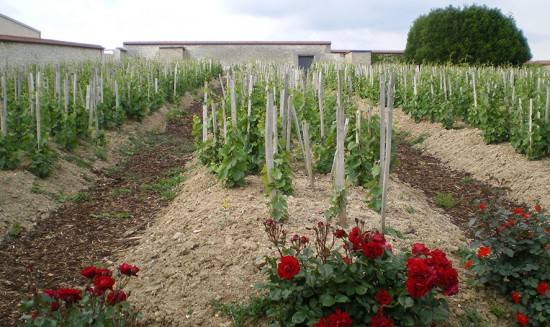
(20, 39)
(226, 43)
(18, 22)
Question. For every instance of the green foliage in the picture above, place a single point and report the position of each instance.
(42, 160)
(472, 318)
(445, 200)
(281, 174)
(472, 35)
(337, 202)
(333, 273)
(80, 197)
(15, 230)
(241, 313)
(9, 154)
(513, 258)
(323, 152)
(232, 167)
(374, 196)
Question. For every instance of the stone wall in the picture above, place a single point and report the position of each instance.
(22, 51)
(232, 52)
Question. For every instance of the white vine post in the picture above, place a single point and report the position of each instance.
(382, 126)
(233, 102)
(214, 122)
(204, 122)
(3, 112)
(321, 103)
(547, 109)
(339, 176)
(307, 155)
(387, 153)
(224, 115)
(269, 160)
(38, 119)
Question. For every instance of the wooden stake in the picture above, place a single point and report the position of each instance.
(547, 109)
(269, 156)
(233, 102)
(214, 122)
(387, 153)
(4, 111)
(339, 176)
(307, 156)
(38, 118)
(321, 104)
(204, 122)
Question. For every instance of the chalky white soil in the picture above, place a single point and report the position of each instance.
(209, 242)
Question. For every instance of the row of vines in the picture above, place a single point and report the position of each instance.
(505, 104)
(66, 104)
(231, 136)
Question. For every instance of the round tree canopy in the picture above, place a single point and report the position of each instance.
(472, 35)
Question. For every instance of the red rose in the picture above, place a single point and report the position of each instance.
(483, 251)
(518, 210)
(320, 224)
(468, 264)
(295, 238)
(128, 270)
(28, 268)
(380, 321)
(304, 240)
(104, 282)
(54, 306)
(515, 297)
(355, 237)
(115, 297)
(34, 315)
(448, 280)
(418, 268)
(288, 267)
(346, 260)
(88, 272)
(538, 208)
(372, 250)
(383, 297)
(542, 288)
(481, 206)
(417, 287)
(69, 295)
(522, 319)
(418, 249)
(339, 233)
(525, 215)
(339, 319)
(321, 323)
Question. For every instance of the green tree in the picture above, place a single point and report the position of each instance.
(473, 35)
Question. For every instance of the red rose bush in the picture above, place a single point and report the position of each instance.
(512, 254)
(102, 302)
(333, 278)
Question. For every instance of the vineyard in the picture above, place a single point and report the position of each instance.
(280, 149)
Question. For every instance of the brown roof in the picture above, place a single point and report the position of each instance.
(20, 39)
(540, 62)
(226, 43)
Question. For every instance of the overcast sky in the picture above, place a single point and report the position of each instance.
(348, 24)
